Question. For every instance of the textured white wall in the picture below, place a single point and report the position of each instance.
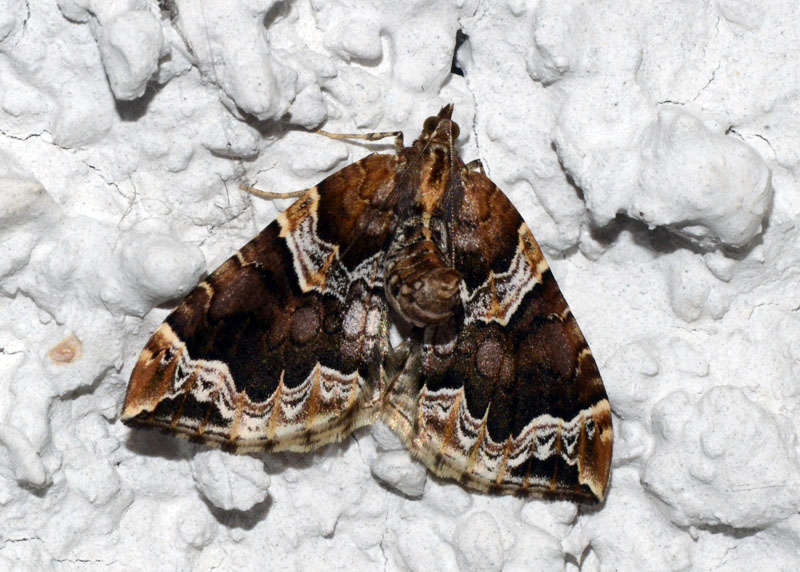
(125, 132)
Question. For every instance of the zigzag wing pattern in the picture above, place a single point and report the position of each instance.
(510, 399)
(281, 347)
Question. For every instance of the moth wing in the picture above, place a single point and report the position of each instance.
(509, 396)
(281, 347)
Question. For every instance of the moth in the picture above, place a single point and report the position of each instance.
(285, 347)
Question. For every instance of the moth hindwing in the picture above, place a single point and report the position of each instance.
(285, 346)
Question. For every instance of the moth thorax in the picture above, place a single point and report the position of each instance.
(420, 286)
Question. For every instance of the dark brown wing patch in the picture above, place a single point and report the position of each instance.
(275, 349)
(510, 397)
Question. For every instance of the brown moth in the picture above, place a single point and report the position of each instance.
(285, 347)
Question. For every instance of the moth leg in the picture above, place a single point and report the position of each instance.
(476, 165)
(396, 357)
(270, 195)
(398, 136)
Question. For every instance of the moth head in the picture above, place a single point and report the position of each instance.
(440, 126)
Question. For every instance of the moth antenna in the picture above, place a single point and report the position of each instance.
(376, 136)
(270, 195)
